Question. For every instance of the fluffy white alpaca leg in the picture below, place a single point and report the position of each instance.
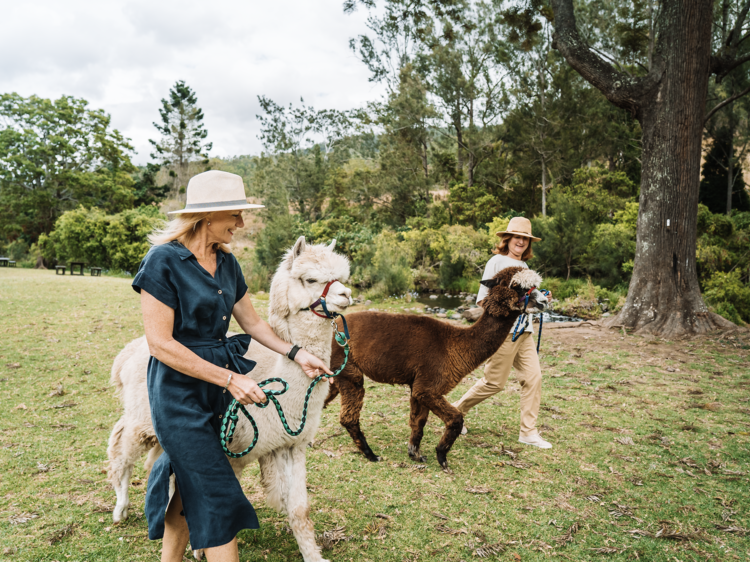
(127, 443)
(272, 477)
(298, 507)
(153, 455)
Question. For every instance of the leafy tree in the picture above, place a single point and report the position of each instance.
(145, 188)
(117, 241)
(182, 134)
(302, 141)
(666, 89)
(54, 156)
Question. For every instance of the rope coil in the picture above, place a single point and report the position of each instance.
(229, 423)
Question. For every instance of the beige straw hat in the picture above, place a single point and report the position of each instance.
(215, 191)
(519, 226)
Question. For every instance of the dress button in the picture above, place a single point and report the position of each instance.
(219, 291)
(223, 317)
(219, 416)
(226, 366)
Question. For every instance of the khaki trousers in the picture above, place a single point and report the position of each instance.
(521, 355)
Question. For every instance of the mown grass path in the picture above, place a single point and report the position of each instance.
(650, 457)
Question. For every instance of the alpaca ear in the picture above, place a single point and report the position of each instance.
(299, 247)
(489, 283)
(332, 245)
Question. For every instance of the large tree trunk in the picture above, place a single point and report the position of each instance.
(664, 296)
(670, 101)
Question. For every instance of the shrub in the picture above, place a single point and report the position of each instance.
(584, 304)
(728, 296)
(389, 272)
(116, 241)
(17, 250)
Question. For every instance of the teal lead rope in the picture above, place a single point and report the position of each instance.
(232, 414)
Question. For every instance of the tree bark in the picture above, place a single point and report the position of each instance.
(664, 297)
(544, 190)
(730, 170)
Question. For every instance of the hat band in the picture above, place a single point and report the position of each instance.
(235, 203)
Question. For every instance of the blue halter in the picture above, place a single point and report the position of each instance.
(524, 316)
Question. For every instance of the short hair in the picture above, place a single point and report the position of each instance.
(502, 247)
(182, 229)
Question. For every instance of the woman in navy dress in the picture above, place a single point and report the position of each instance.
(190, 286)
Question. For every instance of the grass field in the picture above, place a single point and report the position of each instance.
(650, 457)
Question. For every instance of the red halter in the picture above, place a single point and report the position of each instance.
(322, 302)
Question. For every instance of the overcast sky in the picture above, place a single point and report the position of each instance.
(123, 56)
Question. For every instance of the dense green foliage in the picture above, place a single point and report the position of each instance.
(54, 156)
(115, 241)
(482, 120)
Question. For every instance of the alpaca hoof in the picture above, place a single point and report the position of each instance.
(120, 513)
(198, 554)
(442, 460)
(373, 457)
(415, 454)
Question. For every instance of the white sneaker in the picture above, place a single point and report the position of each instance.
(535, 441)
(464, 431)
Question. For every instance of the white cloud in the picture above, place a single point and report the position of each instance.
(124, 56)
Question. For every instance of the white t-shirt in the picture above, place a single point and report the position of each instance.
(496, 264)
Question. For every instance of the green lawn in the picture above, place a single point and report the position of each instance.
(650, 459)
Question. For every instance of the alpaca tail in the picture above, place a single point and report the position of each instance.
(127, 352)
(333, 392)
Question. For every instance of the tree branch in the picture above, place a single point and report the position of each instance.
(621, 89)
(722, 66)
(727, 101)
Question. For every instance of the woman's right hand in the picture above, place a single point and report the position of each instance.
(245, 390)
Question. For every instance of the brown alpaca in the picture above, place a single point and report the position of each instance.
(430, 356)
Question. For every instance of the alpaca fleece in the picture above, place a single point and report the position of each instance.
(429, 356)
(281, 456)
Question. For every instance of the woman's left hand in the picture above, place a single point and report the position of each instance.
(312, 366)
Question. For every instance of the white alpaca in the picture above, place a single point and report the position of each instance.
(297, 283)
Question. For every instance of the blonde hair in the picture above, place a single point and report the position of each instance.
(502, 247)
(182, 228)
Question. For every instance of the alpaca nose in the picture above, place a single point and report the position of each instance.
(340, 290)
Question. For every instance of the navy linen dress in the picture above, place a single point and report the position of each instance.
(186, 411)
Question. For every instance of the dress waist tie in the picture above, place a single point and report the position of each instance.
(236, 347)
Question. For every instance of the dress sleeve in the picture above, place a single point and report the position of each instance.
(241, 285)
(156, 277)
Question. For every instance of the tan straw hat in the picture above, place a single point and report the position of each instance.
(215, 191)
(519, 226)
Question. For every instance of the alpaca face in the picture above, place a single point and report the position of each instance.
(312, 267)
(508, 290)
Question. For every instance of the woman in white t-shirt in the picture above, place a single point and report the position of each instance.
(513, 250)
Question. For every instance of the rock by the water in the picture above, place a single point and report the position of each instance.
(368, 302)
(433, 296)
(472, 315)
(442, 315)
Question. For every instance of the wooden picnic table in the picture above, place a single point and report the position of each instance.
(76, 264)
(4, 262)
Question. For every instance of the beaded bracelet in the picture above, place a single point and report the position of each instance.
(228, 381)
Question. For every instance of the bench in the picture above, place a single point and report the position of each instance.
(4, 262)
(74, 265)
(59, 270)
(11, 263)
(96, 272)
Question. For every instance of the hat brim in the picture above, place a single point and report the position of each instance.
(211, 208)
(534, 238)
